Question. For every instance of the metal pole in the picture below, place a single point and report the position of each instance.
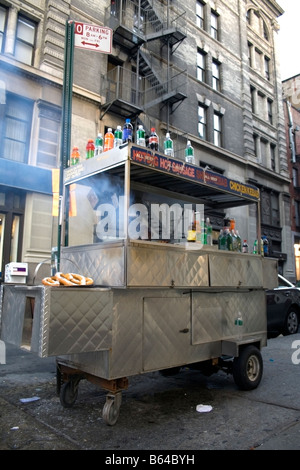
(66, 125)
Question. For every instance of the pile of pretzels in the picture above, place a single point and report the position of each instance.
(69, 279)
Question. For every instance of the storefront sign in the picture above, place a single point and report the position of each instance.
(192, 172)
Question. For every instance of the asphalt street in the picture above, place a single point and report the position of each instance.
(157, 413)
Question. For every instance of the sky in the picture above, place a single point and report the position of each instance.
(288, 38)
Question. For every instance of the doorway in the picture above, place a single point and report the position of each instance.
(11, 227)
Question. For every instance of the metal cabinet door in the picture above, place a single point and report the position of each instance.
(167, 333)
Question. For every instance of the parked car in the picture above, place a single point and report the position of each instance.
(283, 282)
(283, 309)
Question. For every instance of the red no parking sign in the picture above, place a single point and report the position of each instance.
(95, 38)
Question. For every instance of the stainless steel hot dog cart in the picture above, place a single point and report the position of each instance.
(158, 302)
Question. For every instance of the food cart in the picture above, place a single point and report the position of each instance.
(158, 302)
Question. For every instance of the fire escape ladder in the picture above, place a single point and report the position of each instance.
(135, 24)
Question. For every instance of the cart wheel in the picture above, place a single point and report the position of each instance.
(248, 368)
(111, 409)
(59, 380)
(69, 393)
(291, 323)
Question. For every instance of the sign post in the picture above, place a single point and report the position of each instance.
(65, 126)
(83, 36)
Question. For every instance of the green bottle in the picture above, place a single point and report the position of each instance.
(118, 137)
(98, 144)
(222, 240)
(189, 153)
(209, 240)
(168, 146)
(229, 241)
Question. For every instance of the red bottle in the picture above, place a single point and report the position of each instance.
(90, 149)
(153, 139)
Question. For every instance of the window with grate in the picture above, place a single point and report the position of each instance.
(49, 134)
(270, 208)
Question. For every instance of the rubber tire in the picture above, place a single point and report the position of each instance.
(291, 324)
(247, 368)
(110, 412)
(68, 394)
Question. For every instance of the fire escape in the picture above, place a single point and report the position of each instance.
(155, 83)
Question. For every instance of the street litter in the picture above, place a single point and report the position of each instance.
(29, 400)
(203, 408)
(15, 428)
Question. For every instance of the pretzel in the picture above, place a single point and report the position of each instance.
(75, 278)
(68, 279)
(89, 281)
(50, 281)
(61, 277)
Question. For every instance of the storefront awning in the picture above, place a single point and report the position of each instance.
(27, 177)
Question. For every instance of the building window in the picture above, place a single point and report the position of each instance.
(14, 141)
(48, 142)
(202, 121)
(250, 49)
(214, 25)
(25, 40)
(49, 134)
(248, 17)
(3, 15)
(264, 152)
(252, 95)
(201, 66)
(295, 178)
(297, 213)
(273, 156)
(200, 15)
(258, 56)
(265, 31)
(216, 75)
(270, 208)
(275, 218)
(261, 105)
(217, 129)
(267, 68)
(255, 142)
(270, 111)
